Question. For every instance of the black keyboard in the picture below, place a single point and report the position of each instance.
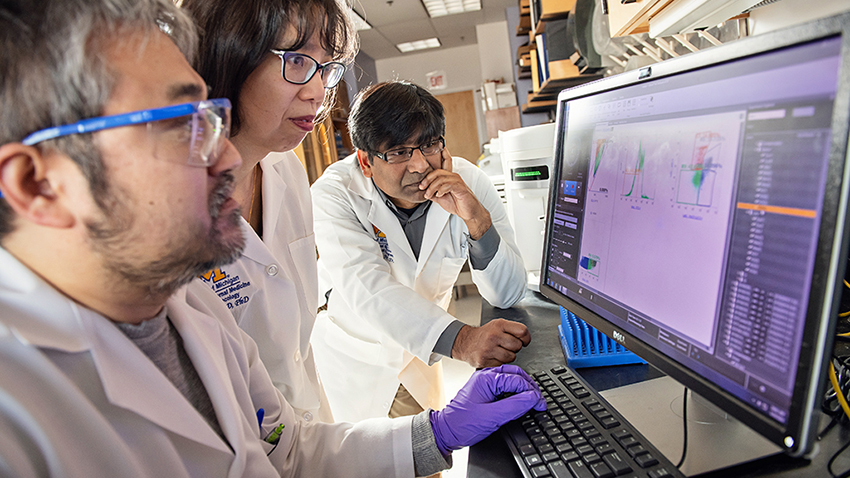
(580, 436)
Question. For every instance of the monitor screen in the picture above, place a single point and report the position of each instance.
(696, 215)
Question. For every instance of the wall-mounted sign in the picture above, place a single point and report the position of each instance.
(436, 80)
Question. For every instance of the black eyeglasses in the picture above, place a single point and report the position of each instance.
(402, 155)
(298, 68)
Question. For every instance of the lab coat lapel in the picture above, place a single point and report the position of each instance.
(435, 223)
(274, 189)
(204, 343)
(131, 381)
(380, 215)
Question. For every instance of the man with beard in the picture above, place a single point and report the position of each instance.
(115, 176)
(395, 222)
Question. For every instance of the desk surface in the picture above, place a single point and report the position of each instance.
(491, 457)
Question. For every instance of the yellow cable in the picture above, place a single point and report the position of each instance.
(846, 284)
(844, 314)
(845, 334)
(838, 394)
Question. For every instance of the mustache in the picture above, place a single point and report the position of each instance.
(220, 193)
(416, 178)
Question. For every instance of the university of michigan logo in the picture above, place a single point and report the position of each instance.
(381, 239)
(228, 287)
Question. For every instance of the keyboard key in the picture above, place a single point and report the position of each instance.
(601, 470)
(660, 473)
(604, 448)
(591, 458)
(584, 449)
(520, 438)
(558, 439)
(546, 448)
(526, 450)
(559, 470)
(563, 448)
(551, 456)
(533, 460)
(616, 463)
(628, 441)
(609, 422)
(646, 460)
(579, 469)
(539, 440)
(636, 450)
(597, 440)
(539, 471)
(570, 456)
(621, 433)
(581, 393)
(578, 441)
(559, 370)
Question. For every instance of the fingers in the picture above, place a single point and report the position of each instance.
(439, 182)
(516, 329)
(446, 162)
(526, 395)
(492, 344)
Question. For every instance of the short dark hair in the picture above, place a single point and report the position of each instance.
(394, 112)
(236, 36)
(52, 71)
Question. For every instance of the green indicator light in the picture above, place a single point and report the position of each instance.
(527, 173)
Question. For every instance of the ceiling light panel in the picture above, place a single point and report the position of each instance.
(418, 45)
(439, 8)
(359, 22)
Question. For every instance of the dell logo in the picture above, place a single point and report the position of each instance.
(619, 337)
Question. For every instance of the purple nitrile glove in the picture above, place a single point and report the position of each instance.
(476, 411)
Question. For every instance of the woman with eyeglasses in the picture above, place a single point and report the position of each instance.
(278, 61)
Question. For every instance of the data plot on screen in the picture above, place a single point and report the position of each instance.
(603, 167)
(670, 175)
(697, 178)
(635, 182)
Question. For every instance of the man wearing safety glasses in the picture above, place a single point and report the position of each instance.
(395, 222)
(115, 173)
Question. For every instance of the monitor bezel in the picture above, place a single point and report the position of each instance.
(795, 437)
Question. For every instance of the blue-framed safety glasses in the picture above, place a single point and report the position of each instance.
(195, 131)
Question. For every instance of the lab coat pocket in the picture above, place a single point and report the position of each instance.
(303, 252)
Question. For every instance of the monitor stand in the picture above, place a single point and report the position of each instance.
(715, 439)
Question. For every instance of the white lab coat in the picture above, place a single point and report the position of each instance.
(271, 290)
(95, 405)
(387, 309)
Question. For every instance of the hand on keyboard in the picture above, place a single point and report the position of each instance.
(476, 411)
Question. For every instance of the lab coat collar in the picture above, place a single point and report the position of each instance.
(380, 214)
(49, 320)
(131, 381)
(271, 202)
(436, 221)
(255, 248)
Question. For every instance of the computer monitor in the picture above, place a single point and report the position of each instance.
(697, 216)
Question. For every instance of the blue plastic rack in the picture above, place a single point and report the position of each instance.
(584, 346)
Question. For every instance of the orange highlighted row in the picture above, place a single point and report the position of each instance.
(788, 211)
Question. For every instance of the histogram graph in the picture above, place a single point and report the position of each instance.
(634, 178)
